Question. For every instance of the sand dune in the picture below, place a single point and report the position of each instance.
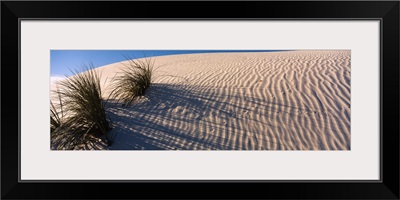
(292, 100)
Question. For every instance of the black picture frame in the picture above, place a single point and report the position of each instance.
(385, 11)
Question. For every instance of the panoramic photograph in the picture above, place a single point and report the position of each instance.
(200, 100)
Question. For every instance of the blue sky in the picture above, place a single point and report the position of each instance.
(61, 61)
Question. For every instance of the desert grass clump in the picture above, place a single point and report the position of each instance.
(82, 100)
(55, 119)
(132, 82)
(56, 114)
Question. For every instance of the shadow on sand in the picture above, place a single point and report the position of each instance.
(184, 117)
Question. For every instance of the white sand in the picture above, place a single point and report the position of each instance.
(293, 100)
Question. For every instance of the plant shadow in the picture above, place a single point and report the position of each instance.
(185, 117)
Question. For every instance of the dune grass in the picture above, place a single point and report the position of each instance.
(80, 116)
(55, 120)
(132, 82)
(82, 99)
(56, 113)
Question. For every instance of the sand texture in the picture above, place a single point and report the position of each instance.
(291, 100)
